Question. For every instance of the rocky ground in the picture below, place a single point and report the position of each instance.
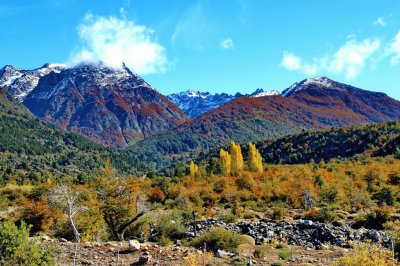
(303, 233)
(310, 244)
(152, 254)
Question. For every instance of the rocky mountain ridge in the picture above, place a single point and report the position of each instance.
(195, 103)
(110, 106)
(20, 82)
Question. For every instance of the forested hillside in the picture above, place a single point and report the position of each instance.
(324, 145)
(31, 150)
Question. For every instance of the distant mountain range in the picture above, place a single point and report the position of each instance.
(310, 104)
(195, 103)
(117, 108)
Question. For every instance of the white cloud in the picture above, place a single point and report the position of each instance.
(394, 49)
(291, 61)
(294, 63)
(115, 40)
(380, 22)
(226, 43)
(350, 59)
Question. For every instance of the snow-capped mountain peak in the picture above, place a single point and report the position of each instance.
(20, 82)
(262, 93)
(194, 103)
(298, 86)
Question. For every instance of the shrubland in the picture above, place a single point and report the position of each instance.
(237, 182)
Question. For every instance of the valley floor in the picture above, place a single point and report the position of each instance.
(107, 254)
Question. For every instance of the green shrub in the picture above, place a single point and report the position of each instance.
(393, 230)
(366, 255)
(259, 252)
(164, 241)
(228, 218)
(15, 248)
(219, 238)
(285, 254)
(240, 261)
(277, 264)
(166, 223)
(278, 213)
(248, 215)
(323, 215)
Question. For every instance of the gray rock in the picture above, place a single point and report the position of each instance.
(145, 258)
(270, 234)
(223, 254)
(134, 245)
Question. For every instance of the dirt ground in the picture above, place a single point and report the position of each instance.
(112, 253)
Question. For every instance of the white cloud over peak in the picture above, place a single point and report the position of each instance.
(292, 62)
(394, 49)
(115, 40)
(349, 60)
(226, 43)
(380, 22)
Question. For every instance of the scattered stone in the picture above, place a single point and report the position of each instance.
(134, 245)
(46, 238)
(223, 254)
(144, 258)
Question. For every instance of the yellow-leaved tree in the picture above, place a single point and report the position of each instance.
(225, 159)
(255, 159)
(193, 168)
(237, 158)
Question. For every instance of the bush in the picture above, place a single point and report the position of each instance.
(164, 241)
(240, 261)
(248, 215)
(323, 215)
(228, 218)
(393, 230)
(277, 264)
(219, 238)
(15, 248)
(165, 223)
(374, 219)
(366, 255)
(278, 213)
(285, 254)
(384, 197)
(259, 252)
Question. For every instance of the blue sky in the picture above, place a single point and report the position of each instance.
(210, 45)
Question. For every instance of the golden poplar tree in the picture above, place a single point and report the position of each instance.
(193, 168)
(225, 160)
(237, 158)
(255, 159)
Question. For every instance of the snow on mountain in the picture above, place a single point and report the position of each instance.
(262, 93)
(20, 82)
(110, 106)
(195, 103)
(318, 81)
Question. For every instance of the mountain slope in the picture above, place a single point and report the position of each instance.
(110, 106)
(195, 103)
(9, 104)
(20, 82)
(33, 150)
(309, 106)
